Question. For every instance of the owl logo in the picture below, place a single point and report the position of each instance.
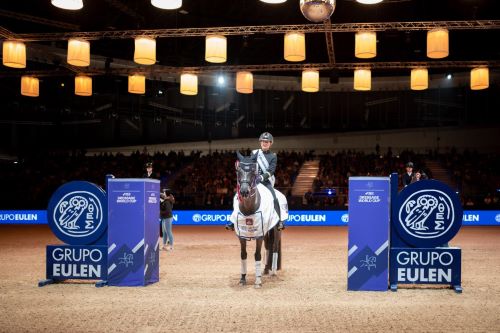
(78, 214)
(427, 214)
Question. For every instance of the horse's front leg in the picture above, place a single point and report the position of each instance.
(275, 249)
(243, 246)
(258, 258)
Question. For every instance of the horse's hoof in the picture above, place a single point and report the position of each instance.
(258, 286)
(243, 282)
(266, 271)
(273, 273)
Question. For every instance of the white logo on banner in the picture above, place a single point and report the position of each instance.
(427, 214)
(78, 214)
(345, 218)
(196, 217)
(497, 218)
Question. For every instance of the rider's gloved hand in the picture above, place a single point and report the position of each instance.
(259, 179)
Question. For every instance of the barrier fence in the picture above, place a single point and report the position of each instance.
(221, 217)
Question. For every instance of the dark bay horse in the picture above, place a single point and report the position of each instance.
(254, 217)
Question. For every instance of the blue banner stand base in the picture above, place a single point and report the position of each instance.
(100, 284)
(43, 283)
(457, 288)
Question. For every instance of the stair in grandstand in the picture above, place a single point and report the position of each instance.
(304, 181)
(440, 173)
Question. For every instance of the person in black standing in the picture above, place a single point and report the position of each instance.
(409, 175)
(149, 170)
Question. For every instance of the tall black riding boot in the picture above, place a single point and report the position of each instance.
(281, 225)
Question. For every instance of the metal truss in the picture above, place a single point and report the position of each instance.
(156, 70)
(318, 66)
(329, 41)
(264, 29)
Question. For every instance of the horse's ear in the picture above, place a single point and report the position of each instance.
(254, 156)
(240, 157)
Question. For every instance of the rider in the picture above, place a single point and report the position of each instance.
(267, 162)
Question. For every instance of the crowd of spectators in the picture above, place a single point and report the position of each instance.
(476, 176)
(208, 181)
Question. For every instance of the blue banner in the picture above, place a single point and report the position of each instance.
(426, 266)
(133, 231)
(368, 243)
(87, 262)
(218, 217)
(23, 217)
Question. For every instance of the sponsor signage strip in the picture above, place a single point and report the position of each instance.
(77, 262)
(425, 266)
(212, 217)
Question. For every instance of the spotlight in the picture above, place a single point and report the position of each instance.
(160, 92)
(449, 76)
(220, 80)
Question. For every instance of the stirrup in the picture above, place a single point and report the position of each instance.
(281, 225)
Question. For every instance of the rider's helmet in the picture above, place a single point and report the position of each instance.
(266, 136)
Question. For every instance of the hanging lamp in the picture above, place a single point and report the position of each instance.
(365, 44)
(167, 4)
(83, 85)
(437, 43)
(362, 79)
(68, 4)
(30, 86)
(78, 52)
(145, 50)
(310, 81)
(189, 84)
(419, 79)
(244, 82)
(479, 78)
(215, 48)
(14, 54)
(137, 84)
(295, 46)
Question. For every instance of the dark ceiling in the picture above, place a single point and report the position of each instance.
(259, 48)
(114, 117)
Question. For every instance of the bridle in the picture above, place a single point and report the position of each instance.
(246, 173)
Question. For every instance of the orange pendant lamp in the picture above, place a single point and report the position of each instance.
(362, 79)
(295, 46)
(244, 82)
(14, 54)
(310, 81)
(189, 84)
(30, 86)
(419, 79)
(479, 78)
(83, 85)
(137, 84)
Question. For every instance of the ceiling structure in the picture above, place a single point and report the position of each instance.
(254, 32)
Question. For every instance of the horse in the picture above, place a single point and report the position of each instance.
(254, 218)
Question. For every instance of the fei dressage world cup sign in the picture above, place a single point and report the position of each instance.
(77, 215)
(426, 215)
(369, 216)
